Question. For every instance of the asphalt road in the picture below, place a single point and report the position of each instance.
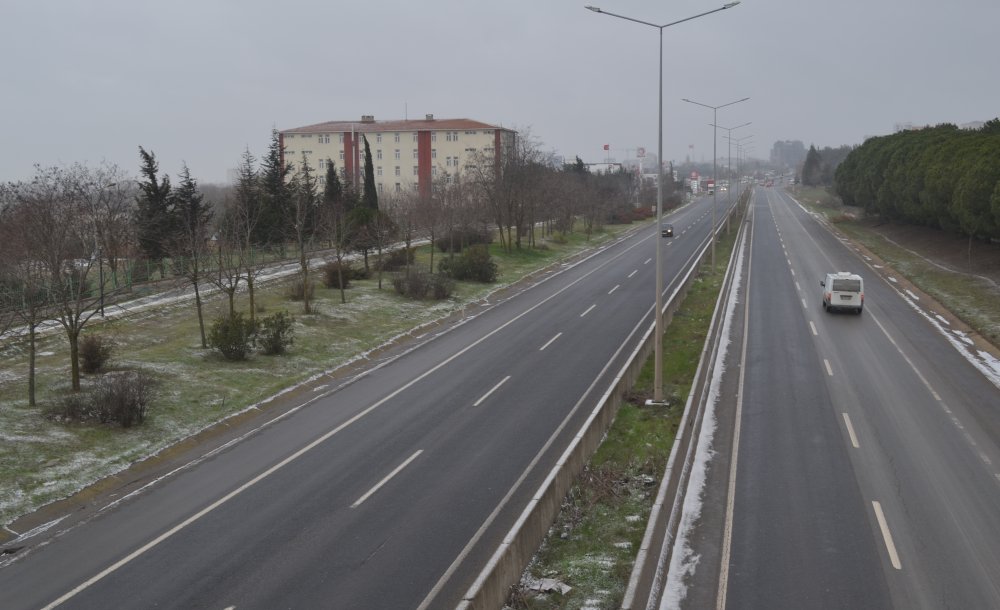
(868, 465)
(389, 492)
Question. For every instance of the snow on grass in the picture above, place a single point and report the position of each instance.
(912, 296)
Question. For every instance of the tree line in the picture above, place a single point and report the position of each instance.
(69, 234)
(942, 177)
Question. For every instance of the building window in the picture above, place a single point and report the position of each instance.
(470, 150)
(341, 138)
(397, 154)
(416, 170)
(380, 185)
(447, 179)
(434, 153)
(324, 138)
(398, 188)
(378, 171)
(322, 164)
(341, 155)
(378, 154)
(434, 136)
(397, 170)
(289, 153)
(289, 136)
(434, 170)
(414, 153)
(396, 137)
(470, 133)
(378, 138)
(414, 136)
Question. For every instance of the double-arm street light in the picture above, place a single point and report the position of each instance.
(731, 139)
(658, 342)
(715, 114)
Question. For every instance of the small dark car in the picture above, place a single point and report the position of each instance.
(667, 230)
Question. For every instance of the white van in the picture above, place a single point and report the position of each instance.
(843, 290)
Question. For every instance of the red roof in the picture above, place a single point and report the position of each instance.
(383, 126)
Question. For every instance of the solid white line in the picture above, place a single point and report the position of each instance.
(617, 286)
(493, 389)
(797, 287)
(804, 306)
(850, 431)
(387, 478)
(633, 273)
(829, 371)
(588, 310)
(887, 536)
(792, 270)
(813, 327)
(549, 342)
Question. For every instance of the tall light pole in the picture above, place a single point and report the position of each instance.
(658, 341)
(729, 139)
(715, 191)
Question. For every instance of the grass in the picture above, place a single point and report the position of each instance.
(971, 299)
(592, 545)
(43, 459)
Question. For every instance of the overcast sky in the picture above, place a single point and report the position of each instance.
(199, 81)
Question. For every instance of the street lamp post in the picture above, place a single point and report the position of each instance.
(658, 342)
(715, 191)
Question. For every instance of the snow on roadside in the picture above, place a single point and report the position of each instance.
(684, 561)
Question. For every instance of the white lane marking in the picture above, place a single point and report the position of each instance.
(646, 262)
(804, 306)
(493, 389)
(617, 286)
(549, 342)
(813, 327)
(829, 371)
(633, 273)
(850, 431)
(792, 270)
(797, 287)
(588, 310)
(387, 478)
(886, 535)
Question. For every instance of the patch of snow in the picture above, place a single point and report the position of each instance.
(990, 362)
(877, 266)
(623, 545)
(912, 296)
(963, 337)
(942, 320)
(684, 561)
(46, 353)
(892, 279)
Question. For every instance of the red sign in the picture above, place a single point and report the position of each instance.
(607, 147)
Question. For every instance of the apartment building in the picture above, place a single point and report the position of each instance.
(406, 154)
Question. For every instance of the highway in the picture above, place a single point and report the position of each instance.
(391, 491)
(867, 459)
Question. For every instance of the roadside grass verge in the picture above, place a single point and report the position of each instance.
(591, 546)
(43, 459)
(973, 300)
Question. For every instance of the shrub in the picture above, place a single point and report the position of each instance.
(421, 285)
(275, 333)
(476, 264)
(233, 336)
(457, 239)
(121, 398)
(297, 290)
(395, 260)
(95, 352)
(333, 271)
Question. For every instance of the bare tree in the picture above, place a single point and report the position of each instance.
(59, 236)
(245, 214)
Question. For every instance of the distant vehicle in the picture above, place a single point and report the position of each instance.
(667, 230)
(843, 290)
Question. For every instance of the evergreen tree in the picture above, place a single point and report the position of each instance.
(194, 218)
(276, 196)
(153, 210)
(812, 168)
(370, 197)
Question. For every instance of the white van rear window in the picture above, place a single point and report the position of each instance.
(846, 285)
